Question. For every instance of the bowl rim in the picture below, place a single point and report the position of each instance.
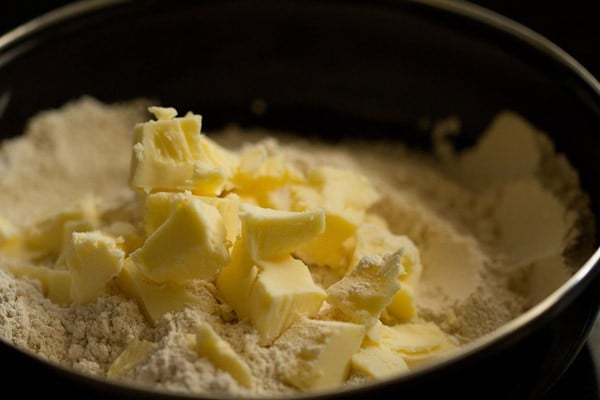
(508, 332)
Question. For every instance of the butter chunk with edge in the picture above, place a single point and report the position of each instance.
(209, 344)
(271, 234)
(367, 290)
(155, 299)
(271, 294)
(417, 342)
(320, 353)
(190, 244)
(93, 259)
(135, 352)
(379, 362)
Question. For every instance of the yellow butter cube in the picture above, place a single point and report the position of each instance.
(135, 352)
(379, 362)
(343, 189)
(127, 236)
(272, 295)
(366, 291)
(260, 173)
(417, 342)
(271, 234)
(210, 345)
(159, 206)
(328, 248)
(170, 154)
(321, 353)
(229, 208)
(155, 299)
(236, 280)
(403, 307)
(373, 239)
(190, 244)
(93, 259)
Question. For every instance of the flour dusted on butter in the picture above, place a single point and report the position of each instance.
(235, 266)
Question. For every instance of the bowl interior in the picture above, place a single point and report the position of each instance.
(329, 69)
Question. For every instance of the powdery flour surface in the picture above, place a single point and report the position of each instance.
(493, 239)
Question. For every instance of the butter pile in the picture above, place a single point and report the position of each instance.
(255, 226)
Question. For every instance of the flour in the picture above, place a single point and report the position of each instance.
(482, 262)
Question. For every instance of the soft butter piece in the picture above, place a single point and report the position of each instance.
(417, 342)
(373, 239)
(403, 305)
(346, 196)
(271, 294)
(343, 189)
(210, 345)
(272, 234)
(171, 154)
(189, 244)
(155, 299)
(229, 208)
(159, 206)
(127, 236)
(329, 248)
(55, 284)
(321, 353)
(379, 362)
(135, 352)
(260, 173)
(366, 291)
(93, 259)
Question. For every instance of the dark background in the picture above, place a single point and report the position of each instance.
(572, 25)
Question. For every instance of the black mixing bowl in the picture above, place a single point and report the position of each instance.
(334, 69)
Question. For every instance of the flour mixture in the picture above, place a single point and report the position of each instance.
(257, 263)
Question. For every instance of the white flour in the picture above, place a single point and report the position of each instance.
(480, 258)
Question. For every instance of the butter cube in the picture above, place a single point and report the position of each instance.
(366, 291)
(236, 280)
(373, 239)
(320, 353)
(379, 362)
(271, 234)
(346, 196)
(272, 295)
(229, 208)
(328, 248)
(49, 235)
(210, 345)
(403, 307)
(125, 234)
(260, 173)
(93, 259)
(170, 154)
(190, 244)
(158, 208)
(55, 284)
(155, 299)
(135, 352)
(417, 342)
(343, 189)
